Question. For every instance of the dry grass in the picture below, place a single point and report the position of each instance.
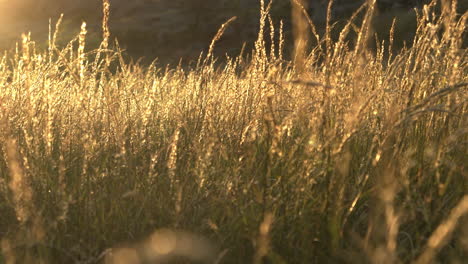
(347, 154)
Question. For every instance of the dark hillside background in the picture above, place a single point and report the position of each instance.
(170, 29)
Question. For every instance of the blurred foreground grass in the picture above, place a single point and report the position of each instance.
(346, 154)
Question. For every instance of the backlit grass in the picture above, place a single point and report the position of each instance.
(343, 153)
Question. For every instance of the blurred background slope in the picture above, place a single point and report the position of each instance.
(152, 28)
(171, 29)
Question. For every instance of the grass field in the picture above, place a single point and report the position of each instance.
(346, 153)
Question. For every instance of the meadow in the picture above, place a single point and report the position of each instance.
(346, 150)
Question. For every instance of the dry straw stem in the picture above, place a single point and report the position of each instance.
(19, 185)
(260, 49)
(7, 251)
(263, 240)
(53, 38)
(365, 30)
(81, 52)
(442, 234)
(105, 35)
(218, 35)
(301, 36)
(105, 23)
(328, 39)
(306, 15)
(31, 222)
(341, 44)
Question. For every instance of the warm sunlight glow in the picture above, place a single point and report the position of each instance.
(244, 153)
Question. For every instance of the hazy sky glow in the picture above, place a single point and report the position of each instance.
(21, 16)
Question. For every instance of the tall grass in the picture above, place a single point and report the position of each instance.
(346, 154)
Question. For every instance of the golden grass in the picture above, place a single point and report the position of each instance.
(348, 154)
